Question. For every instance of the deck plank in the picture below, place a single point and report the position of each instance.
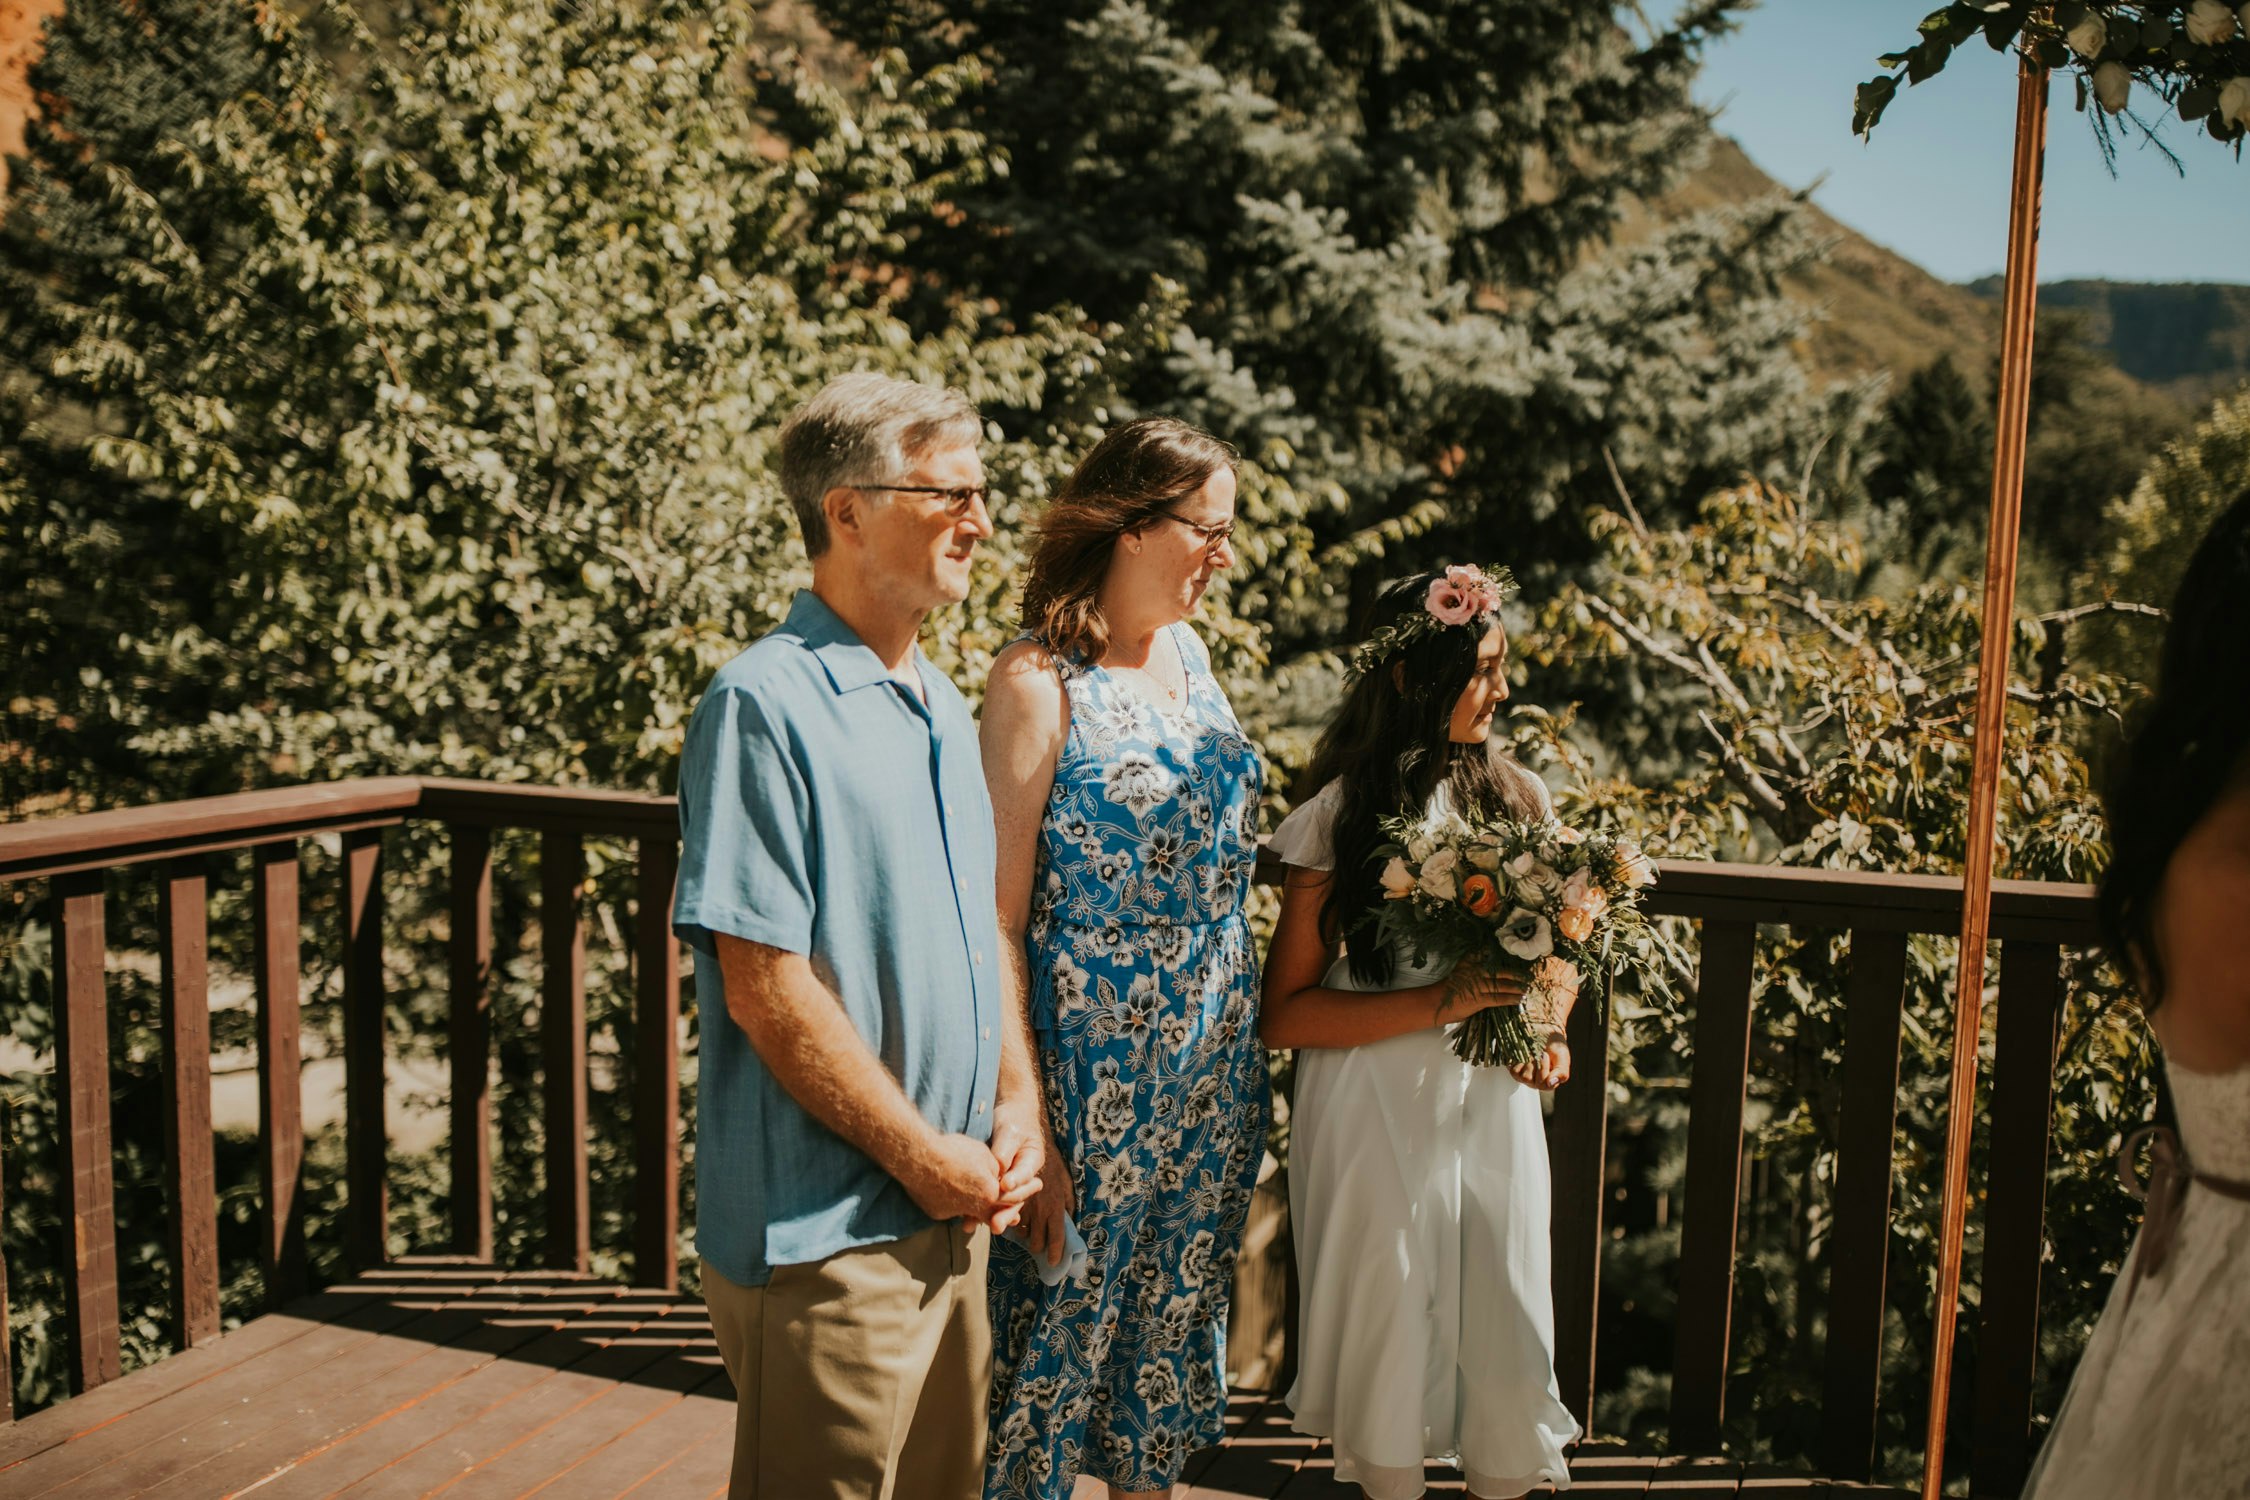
(318, 1416)
(531, 1460)
(642, 1455)
(403, 1432)
(583, 1373)
(449, 1377)
(80, 1415)
(151, 1426)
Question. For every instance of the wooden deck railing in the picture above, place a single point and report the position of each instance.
(74, 855)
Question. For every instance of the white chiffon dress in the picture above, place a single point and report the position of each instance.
(2160, 1406)
(1418, 1196)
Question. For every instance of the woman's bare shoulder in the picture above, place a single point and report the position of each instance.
(1025, 688)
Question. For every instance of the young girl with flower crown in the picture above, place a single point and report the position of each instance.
(1417, 1183)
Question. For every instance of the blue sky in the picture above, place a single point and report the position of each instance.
(1932, 182)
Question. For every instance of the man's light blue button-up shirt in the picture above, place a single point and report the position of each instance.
(825, 811)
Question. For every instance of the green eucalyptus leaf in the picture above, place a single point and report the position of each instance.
(2198, 100)
(1927, 61)
(2069, 13)
(2001, 23)
(1962, 21)
(1869, 101)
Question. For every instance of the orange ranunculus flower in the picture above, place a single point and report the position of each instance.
(1480, 894)
(1575, 923)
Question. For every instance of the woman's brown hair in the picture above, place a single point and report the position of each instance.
(1132, 475)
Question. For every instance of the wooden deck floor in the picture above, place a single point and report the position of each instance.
(440, 1378)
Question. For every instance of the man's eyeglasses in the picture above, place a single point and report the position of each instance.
(1213, 536)
(958, 501)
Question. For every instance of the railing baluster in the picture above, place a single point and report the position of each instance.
(366, 1142)
(183, 893)
(470, 1003)
(7, 1368)
(562, 1046)
(2023, 1086)
(82, 1074)
(656, 1070)
(1716, 1090)
(1859, 1241)
(281, 1116)
(1577, 1135)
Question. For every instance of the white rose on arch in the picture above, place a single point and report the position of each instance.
(2234, 103)
(2210, 23)
(2113, 85)
(2089, 36)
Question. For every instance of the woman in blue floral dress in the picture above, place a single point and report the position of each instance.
(1126, 800)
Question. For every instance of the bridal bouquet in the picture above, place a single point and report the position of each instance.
(1538, 899)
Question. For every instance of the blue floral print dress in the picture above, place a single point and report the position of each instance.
(1144, 999)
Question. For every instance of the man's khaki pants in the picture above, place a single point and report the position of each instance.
(862, 1376)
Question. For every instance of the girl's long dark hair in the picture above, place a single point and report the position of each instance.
(1390, 746)
(2191, 747)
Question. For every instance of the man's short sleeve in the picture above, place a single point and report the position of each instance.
(745, 829)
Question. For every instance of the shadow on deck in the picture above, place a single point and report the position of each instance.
(449, 1377)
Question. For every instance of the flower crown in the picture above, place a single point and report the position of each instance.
(1461, 595)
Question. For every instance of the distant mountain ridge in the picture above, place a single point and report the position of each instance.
(1882, 313)
(2189, 339)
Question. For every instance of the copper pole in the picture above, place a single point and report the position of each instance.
(1992, 704)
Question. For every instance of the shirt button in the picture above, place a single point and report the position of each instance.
(986, 1034)
(977, 959)
(980, 1106)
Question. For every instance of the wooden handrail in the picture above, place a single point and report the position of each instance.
(201, 825)
(2043, 911)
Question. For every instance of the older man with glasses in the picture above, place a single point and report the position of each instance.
(868, 1113)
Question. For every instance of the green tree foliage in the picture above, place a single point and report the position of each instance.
(2147, 535)
(1390, 223)
(412, 414)
(404, 405)
(1929, 477)
(1835, 734)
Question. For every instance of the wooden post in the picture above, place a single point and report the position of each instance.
(2015, 1211)
(1860, 1240)
(366, 1194)
(470, 1029)
(7, 1369)
(1577, 1143)
(656, 1070)
(183, 891)
(281, 1111)
(1992, 704)
(1718, 1085)
(82, 1075)
(562, 1047)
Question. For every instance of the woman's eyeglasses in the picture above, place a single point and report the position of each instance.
(958, 501)
(1213, 536)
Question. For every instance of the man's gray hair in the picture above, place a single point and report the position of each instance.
(864, 429)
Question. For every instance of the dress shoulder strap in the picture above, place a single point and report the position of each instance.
(1194, 655)
(1068, 668)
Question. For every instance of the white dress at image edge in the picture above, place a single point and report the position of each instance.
(1418, 1195)
(2160, 1405)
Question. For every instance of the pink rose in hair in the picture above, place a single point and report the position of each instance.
(1450, 603)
